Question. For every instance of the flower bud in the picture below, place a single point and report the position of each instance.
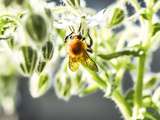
(30, 60)
(156, 28)
(7, 2)
(41, 66)
(74, 3)
(147, 14)
(39, 84)
(47, 50)
(20, 2)
(63, 88)
(36, 27)
(117, 17)
(7, 25)
(11, 42)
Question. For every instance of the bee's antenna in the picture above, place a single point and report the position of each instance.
(65, 39)
(91, 40)
(70, 28)
(80, 27)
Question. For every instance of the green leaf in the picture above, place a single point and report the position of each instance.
(117, 17)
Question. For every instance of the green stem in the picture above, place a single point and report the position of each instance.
(89, 90)
(120, 53)
(135, 4)
(139, 85)
(99, 81)
(122, 105)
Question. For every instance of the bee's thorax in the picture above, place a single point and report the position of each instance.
(75, 47)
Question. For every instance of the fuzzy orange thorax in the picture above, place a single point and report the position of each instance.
(76, 48)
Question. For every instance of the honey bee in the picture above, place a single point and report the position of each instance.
(77, 49)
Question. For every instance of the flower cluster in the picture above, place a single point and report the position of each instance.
(49, 42)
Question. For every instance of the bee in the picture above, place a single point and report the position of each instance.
(77, 49)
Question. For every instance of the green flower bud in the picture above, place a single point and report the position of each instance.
(30, 60)
(7, 2)
(36, 27)
(39, 84)
(147, 14)
(7, 23)
(150, 83)
(20, 2)
(63, 88)
(41, 66)
(117, 17)
(11, 42)
(156, 28)
(43, 83)
(47, 50)
(73, 3)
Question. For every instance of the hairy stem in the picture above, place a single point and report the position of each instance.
(120, 53)
(122, 105)
(139, 85)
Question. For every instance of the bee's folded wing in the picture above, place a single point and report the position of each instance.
(88, 62)
(73, 64)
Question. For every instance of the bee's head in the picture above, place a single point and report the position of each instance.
(78, 36)
(73, 36)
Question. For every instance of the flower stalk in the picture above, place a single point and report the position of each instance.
(122, 105)
(139, 85)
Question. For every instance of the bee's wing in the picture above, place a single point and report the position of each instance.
(88, 62)
(73, 64)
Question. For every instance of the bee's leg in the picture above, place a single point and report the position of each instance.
(89, 50)
(91, 40)
(65, 39)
